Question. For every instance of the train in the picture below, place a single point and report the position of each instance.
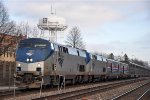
(39, 61)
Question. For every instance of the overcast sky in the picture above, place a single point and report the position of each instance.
(117, 26)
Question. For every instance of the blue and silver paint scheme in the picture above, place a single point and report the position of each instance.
(30, 56)
(39, 61)
(34, 49)
(97, 66)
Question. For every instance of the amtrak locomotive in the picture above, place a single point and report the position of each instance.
(40, 61)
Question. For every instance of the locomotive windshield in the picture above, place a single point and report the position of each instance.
(32, 45)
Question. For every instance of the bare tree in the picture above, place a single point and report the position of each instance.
(4, 17)
(25, 29)
(111, 56)
(28, 30)
(9, 27)
(35, 32)
(126, 58)
(6, 27)
(74, 38)
(137, 61)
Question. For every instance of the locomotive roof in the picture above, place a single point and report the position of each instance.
(46, 41)
(116, 61)
(113, 60)
(34, 40)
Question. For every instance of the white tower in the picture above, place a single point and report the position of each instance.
(52, 24)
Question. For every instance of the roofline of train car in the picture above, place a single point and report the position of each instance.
(139, 65)
(68, 46)
(113, 60)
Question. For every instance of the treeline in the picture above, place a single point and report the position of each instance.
(9, 27)
(125, 58)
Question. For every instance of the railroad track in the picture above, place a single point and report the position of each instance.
(5, 94)
(77, 94)
(54, 93)
(135, 93)
(8, 92)
(145, 96)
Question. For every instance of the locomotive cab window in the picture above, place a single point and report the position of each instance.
(24, 45)
(99, 58)
(52, 46)
(82, 53)
(55, 47)
(63, 49)
(32, 45)
(40, 45)
(72, 51)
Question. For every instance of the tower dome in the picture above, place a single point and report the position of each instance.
(52, 24)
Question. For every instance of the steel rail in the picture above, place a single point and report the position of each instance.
(132, 90)
(80, 93)
(8, 92)
(143, 94)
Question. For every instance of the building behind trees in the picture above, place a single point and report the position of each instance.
(7, 57)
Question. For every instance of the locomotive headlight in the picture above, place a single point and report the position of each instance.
(31, 60)
(39, 65)
(27, 60)
(54, 68)
(19, 65)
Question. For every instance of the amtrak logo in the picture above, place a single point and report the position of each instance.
(30, 52)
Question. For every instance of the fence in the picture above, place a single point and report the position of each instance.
(7, 69)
